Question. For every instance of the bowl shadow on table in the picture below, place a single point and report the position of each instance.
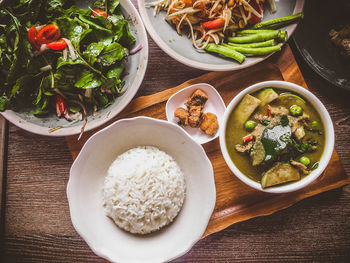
(262, 238)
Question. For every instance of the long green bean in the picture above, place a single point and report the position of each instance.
(255, 37)
(267, 43)
(255, 51)
(279, 22)
(225, 51)
(254, 31)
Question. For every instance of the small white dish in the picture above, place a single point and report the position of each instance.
(215, 105)
(328, 128)
(85, 192)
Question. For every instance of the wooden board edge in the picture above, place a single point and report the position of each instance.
(3, 150)
(282, 206)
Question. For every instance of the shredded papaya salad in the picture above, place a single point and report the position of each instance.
(213, 23)
(58, 58)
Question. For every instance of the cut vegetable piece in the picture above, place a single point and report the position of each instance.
(299, 133)
(227, 52)
(255, 51)
(48, 34)
(267, 43)
(245, 108)
(279, 174)
(286, 94)
(255, 37)
(213, 24)
(257, 153)
(279, 22)
(255, 31)
(266, 96)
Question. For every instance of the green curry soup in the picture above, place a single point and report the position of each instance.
(274, 137)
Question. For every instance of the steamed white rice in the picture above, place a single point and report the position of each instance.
(144, 190)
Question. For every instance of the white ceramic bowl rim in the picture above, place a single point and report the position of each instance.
(69, 191)
(128, 96)
(329, 136)
(204, 66)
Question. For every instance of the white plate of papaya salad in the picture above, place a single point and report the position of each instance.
(220, 35)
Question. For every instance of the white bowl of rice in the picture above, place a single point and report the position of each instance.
(141, 190)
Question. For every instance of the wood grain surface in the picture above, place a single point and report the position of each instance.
(235, 201)
(3, 150)
(37, 223)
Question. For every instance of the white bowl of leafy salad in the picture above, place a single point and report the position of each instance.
(69, 66)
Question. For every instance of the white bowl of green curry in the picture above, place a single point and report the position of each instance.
(277, 136)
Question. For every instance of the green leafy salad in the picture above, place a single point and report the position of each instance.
(55, 57)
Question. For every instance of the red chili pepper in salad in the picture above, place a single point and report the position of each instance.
(60, 105)
(32, 33)
(248, 138)
(48, 34)
(213, 24)
(98, 12)
(57, 45)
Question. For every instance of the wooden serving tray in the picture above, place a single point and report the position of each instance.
(236, 201)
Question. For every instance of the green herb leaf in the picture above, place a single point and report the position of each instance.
(112, 53)
(71, 29)
(87, 80)
(116, 71)
(123, 35)
(112, 5)
(264, 122)
(21, 83)
(284, 120)
(275, 140)
(92, 52)
(4, 103)
(315, 166)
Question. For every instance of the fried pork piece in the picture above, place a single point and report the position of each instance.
(183, 115)
(198, 98)
(210, 124)
(195, 113)
(302, 168)
(244, 148)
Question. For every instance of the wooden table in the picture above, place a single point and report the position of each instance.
(36, 228)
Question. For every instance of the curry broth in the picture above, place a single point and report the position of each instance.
(235, 133)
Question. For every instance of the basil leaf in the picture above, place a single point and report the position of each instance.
(21, 83)
(116, 71)
(87, 80)
(109, 6)
(92, 52)
(122, 33)
(71, 29)
(275, 140)
(264, 122)
(284, 120)
(61, 62)
(4, 103)
(112, 5)
(112, 53)
(75, 11)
